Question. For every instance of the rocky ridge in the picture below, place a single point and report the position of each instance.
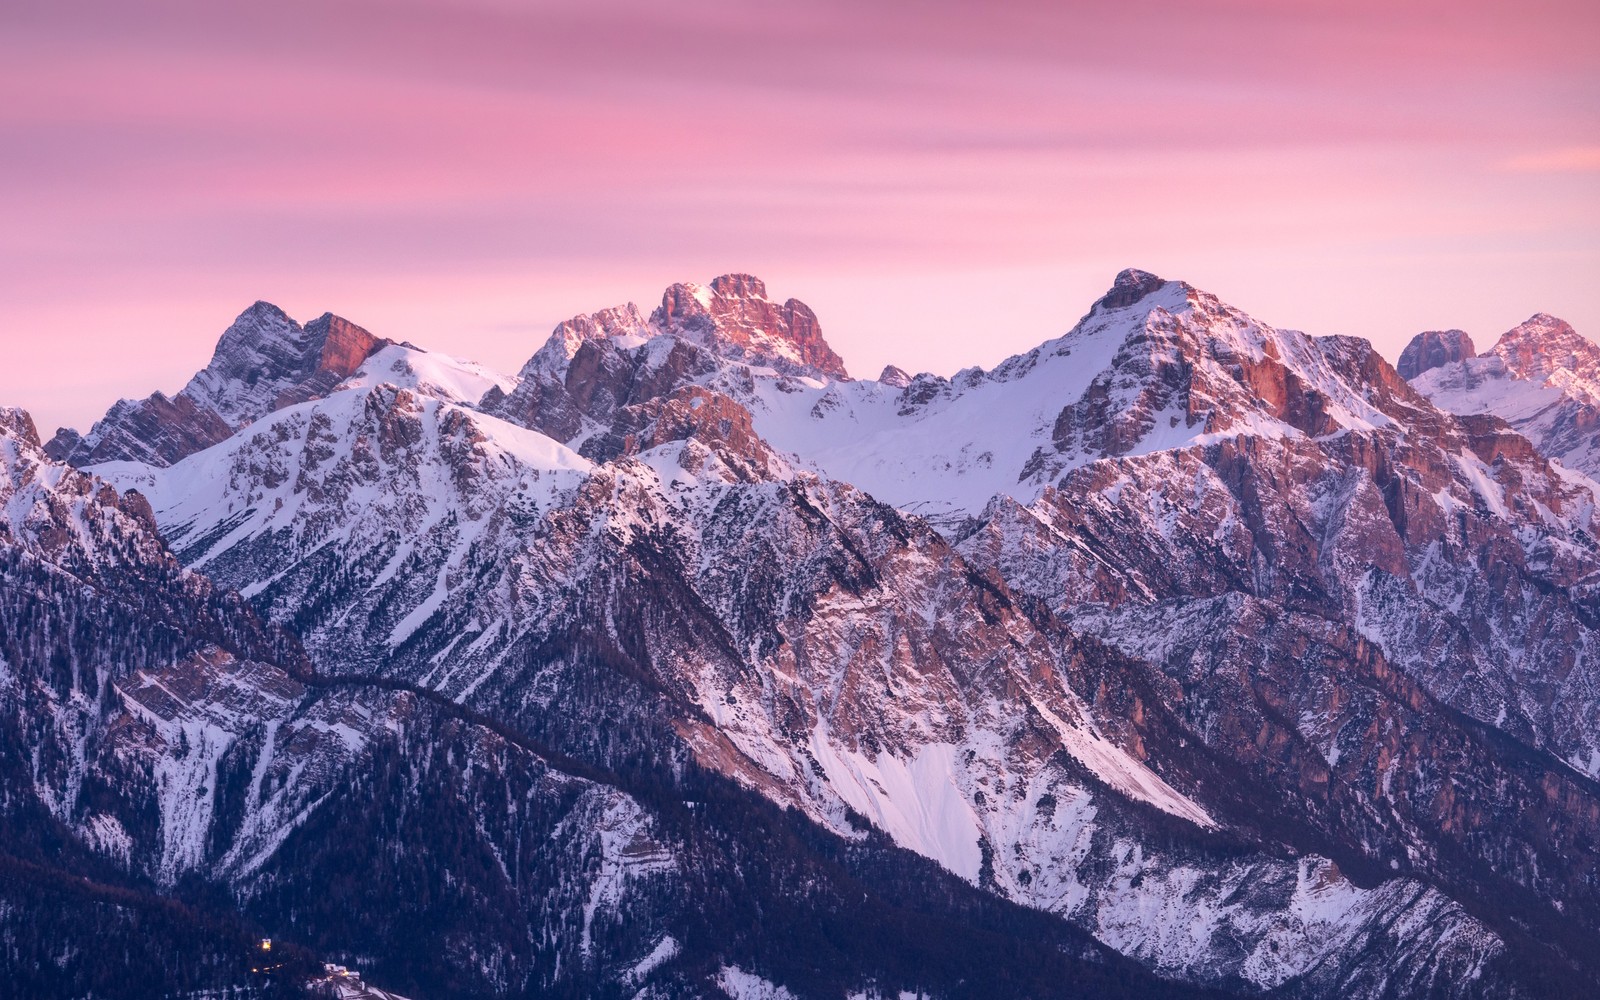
(182, 742)
(263, 362)
(1542, 378)
(1193, 650)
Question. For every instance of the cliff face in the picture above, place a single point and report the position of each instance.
(1434, 349)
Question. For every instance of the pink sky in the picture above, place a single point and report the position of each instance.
(944, 183)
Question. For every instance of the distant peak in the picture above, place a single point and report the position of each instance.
(739, 286)
(733, 316)
(18, 423)
(1540, 327)
(1434, 349)
(1130, 286)
(265, 337)
(262, 309)
(894, 376)
(1543, 343)
(260, 322)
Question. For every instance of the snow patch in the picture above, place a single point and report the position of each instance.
(741, 985)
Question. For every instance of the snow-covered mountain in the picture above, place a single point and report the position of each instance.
(1216, 643)
(1543, 378)
(156, 737)
(264, 361)
(162, 725)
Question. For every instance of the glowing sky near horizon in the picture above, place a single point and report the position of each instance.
(944, 183)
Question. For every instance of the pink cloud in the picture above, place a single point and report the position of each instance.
(1580, 159)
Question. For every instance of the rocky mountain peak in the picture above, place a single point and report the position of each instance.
(260, 327)
(894, 376)
(263, 361)
(261, 313)
(15, 422)
(1433, 349)
(733, 317)
(1131, 285)
(739, 286)
(1542, 378)
(264, 352)
(1542, 344)
(562, 346)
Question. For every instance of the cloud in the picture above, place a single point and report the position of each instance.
(1575, 160)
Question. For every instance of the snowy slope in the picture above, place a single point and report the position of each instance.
(1542, 378)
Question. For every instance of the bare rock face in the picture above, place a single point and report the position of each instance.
(1129, 287)
(734, 318)
(595, 365)
(1187, 364)
(1543, 345)
(731, 318)
(17, 423)
(1432, 349)
(159, 429)
(691, 414)
(263, 362)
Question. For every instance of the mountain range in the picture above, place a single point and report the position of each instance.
(1179, 656)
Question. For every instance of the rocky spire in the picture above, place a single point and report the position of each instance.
(264, 360)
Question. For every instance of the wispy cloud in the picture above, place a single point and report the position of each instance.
(1575, 160)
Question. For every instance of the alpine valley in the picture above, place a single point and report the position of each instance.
(1181, 656)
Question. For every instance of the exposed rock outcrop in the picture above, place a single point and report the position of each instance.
(263, 362)
(1432, 349)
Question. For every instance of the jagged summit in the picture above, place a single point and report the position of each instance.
(16, 422)
(264, 361)
(894, 376)
(739, 286)
(1542, 377)
(1533, 349)
(264, 354)
(1432, 349)
(1543, 344)
(1131, 285)
(732, 317)
(261, 309)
